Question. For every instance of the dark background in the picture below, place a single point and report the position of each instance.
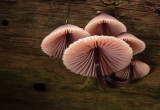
(24, 24)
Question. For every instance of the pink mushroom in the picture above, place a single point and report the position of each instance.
(136, 44)
(105, 24)
(140, 69)
(137, 69)
(57, 41)
(97, 56)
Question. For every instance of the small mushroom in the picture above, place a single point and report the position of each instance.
(57, 41)
(140, 69)
(105, 24)
(136, 44)
(137, 69)
(97, 56)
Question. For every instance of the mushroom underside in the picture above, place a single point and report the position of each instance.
(57, 46)
(134, 71)
(135, 47)
(57, 41)
(97, 56)
(104, 29)
(113, 79)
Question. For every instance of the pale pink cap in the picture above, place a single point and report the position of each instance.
(113, 26)
(55, 43)
(136, 44)
(115, 54)
(140, 69)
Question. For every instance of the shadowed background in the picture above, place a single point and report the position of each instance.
(23, 26)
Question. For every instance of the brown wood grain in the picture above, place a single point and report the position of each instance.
(22, 63)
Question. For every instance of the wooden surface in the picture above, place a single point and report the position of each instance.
(23, 64)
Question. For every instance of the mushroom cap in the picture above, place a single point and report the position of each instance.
(140, 69)
(55, 43)
(136, 44)
(113, 26)
(114, 53)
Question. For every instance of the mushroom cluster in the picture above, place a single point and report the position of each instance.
(103, 48)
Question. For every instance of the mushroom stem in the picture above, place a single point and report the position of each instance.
(123, 83)
(101, 83)
(131, 73)
(68, 39)
(105, 30)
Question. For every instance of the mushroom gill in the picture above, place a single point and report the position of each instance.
(105, 24)
(136, 44)
(135, 70)
(58, 40)
(97, 56)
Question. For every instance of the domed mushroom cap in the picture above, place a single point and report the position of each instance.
(136, 44)
(140, 69)
(114, 54)
(57, 41)
(105, 24)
